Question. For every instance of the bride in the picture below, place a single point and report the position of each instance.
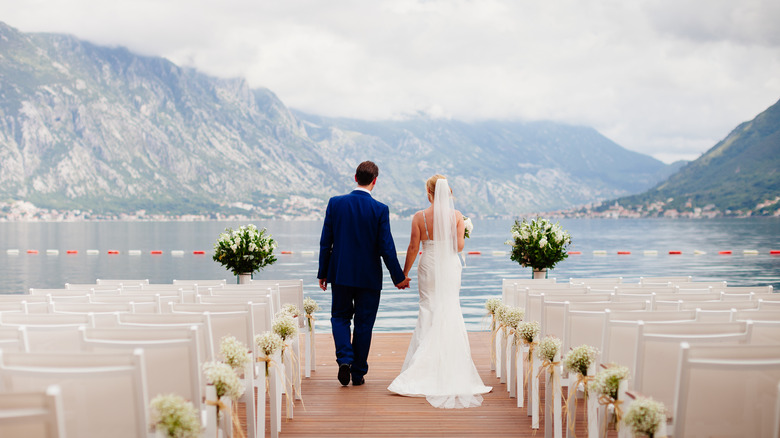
(438, 364)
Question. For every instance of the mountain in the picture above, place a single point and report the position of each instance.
(102, 129)
(739, 175)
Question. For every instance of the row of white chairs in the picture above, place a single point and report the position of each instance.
(633, 334)
(94, 326)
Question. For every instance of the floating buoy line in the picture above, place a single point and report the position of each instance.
(179, 253)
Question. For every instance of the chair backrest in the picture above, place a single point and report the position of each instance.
(700, 285)
(13, 338)
(94, 287)
(727, 391)
(623, 289)
(15, 298)
(59, 307)
(102, 395)
(683, 296)
(46, 319)
(53, 338)
(199, 282)
(718, 305)
(185, 320)
(654, 369)
(618, 339)
(292, 294)
(552, 310)
(171, 355)
(768, 305)
(508, 286)
(532, 300)
(225, 320)
(766, 332)
(657, 280)
(60, 292)
(596, 281)
(759, 290)
(36, 414)
(756, 315)
(120, 282)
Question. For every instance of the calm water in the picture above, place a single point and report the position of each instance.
(481, 278)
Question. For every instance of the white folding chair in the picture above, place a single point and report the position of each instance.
(102, 395)
(756, 315)
(36, 414)
(120, 282)
(618, 340)
(727, 391)
(653, 372)
(171, 354)
(182, 320)
(664, 280)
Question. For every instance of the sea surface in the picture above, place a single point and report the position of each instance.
(700, 242)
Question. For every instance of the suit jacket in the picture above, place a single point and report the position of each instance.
(355, 236)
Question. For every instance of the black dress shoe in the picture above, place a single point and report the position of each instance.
(344, 373)
(357, 381)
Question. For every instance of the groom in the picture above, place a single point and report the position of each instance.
(356, 233)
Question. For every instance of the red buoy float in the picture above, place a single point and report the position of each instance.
(624, 252)
(675, 252)
(199, 252)
(728, 252)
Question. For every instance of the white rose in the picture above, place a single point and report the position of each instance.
(469, 225)
(543, 242)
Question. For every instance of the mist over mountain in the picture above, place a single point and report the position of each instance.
(102, 129)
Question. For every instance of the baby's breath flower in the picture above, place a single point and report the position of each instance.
(579, 359)
(513, 316)
(500, 313)
(528, 331)
(291, 309)
(492, 304)
(644, 416)
(174, 416)
(284, 325)
(310, 306)
(269, 343)
(607, 381)
(224, 379)
(235, 352)
(549, 346)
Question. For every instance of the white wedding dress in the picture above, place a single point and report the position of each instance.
(438, 364)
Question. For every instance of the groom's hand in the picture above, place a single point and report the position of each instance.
(404, 284)
(324, 283)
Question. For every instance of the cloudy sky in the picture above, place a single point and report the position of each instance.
(668, 78)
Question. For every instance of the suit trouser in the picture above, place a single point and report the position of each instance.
(362, 304)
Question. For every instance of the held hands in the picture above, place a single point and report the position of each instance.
(404, 284)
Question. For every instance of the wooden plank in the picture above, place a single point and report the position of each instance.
(330, 409)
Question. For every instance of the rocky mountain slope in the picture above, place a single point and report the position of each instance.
(97, 128)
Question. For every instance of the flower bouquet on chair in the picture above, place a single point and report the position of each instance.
(539, 244)
(244, 250)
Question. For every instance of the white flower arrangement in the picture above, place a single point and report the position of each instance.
(644, 416)
(310, 306)
(513, 316)
(235, 352)
(539, 244)
(224, 379)
(291, 309)
(244, 250)
(579, 359)
(469, 227)
(268, 343)
(174, 417)
(528, 331)
(492, 304)
(284, 325)
(500, 314)
(607, 381)
(549, 346)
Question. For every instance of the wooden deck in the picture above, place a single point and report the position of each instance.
(372, 411)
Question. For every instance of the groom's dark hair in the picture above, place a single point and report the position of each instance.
(366, 172)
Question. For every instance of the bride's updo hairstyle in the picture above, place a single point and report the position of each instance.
(430, 185)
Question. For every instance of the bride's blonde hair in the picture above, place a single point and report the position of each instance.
(430, 185)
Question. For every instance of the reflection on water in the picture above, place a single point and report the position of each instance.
(398, 310)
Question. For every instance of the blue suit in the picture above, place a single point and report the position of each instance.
(355, 239)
